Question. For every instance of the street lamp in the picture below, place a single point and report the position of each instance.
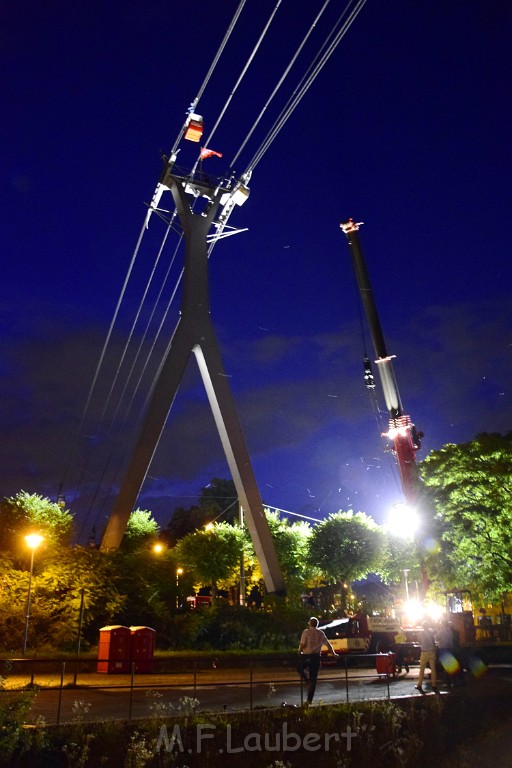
(179, 571)
(242, 562)
(406, 571)
(33, 541)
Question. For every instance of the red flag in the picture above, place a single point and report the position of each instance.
(209, 153)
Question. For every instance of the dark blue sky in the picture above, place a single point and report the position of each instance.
(407, 128)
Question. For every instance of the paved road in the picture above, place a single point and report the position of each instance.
(215, 691)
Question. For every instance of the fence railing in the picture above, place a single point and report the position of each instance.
(228, 683)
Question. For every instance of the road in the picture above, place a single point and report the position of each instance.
(104, 697)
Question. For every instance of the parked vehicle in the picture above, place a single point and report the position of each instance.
(362, 634)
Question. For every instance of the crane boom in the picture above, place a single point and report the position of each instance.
(402, 433)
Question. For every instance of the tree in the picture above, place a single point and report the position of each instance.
(213, 555)
(217, 500)
(399, 554)
(346, 546)
(141, 530)
(147, 581)
(30, 513)
(57, 588)
(184, 521)
(292, 546)
(471, 487)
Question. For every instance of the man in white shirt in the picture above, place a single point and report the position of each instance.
(310, 648)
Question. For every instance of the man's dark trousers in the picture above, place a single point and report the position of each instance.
(310, 661)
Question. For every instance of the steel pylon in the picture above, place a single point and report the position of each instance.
(194, 333)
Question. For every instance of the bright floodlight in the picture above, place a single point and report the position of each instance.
(34, 540)
(158, 548)
(403, 521)
(434, 611)
(413, 612)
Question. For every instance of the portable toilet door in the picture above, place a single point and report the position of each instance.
(114, 649)
(143, 648)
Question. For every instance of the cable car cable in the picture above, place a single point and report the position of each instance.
(306, 83)
(146, 331)
(241, 76)
(103, 353)
(132, 329)
(212, 68)
(280, 82)
(285, 114)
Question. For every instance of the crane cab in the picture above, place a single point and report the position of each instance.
(194, 127)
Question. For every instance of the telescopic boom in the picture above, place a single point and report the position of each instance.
(402, 433)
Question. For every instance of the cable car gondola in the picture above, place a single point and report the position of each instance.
(194, 129)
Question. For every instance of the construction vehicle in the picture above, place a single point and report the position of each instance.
(362, 634)
(402, 434)
(490, 635)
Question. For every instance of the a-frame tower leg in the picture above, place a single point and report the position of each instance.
(195, 333)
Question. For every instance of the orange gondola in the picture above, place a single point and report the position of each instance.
(194, 129)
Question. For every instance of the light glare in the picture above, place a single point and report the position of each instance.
(403, 521)
(34, 540)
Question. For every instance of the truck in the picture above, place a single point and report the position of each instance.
(362, 634)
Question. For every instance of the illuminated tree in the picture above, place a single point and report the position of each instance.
(399, 554)
(213, 555)
(346, 546)
(292, 546)
(471, 489)
(27, 513)
(141, 530)
(58, 586)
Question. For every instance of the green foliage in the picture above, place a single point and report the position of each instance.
(141, 530)
(388, 734)
(399, 554)
(213, 555)
(56, 597)
(346, 546)
(13, 711)
(217, 500)
(232, 627)
(291, 541)
(471, 487)
(30, 513)
(148, 583)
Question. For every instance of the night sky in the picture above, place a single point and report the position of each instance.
(407, 129)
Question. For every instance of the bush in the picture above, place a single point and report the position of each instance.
(232, 627)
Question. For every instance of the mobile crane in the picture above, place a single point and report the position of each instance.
(402, 433)
(406, 441)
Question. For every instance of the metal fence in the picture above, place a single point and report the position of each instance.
(179, 684)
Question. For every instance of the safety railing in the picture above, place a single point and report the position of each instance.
(180, 684)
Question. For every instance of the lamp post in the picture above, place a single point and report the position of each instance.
(406, 571)
(242, 562)
(179, 571)
(33, 540)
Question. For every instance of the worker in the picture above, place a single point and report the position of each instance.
(428, 656)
